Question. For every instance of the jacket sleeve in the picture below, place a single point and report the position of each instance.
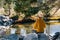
(35, 24)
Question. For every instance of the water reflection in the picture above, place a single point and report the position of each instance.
(21, 29)
(13, 30)
(54, 28)
(23, 32)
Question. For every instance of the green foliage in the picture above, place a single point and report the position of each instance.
(33, 1)
(17, 7)
(21, 5)
(15, 17)
(8, 1)
(45, 8)
(32, 11)
(24, 6)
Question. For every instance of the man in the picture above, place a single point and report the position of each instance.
(39, 27)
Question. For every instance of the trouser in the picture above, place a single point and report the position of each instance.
(39, 34)
(42, 36)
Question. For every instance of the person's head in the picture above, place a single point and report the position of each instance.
(40, 14)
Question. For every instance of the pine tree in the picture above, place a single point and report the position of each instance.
(24, 6)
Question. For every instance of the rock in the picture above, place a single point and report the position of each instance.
(31, 36)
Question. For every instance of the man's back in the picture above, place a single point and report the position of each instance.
(39, 25)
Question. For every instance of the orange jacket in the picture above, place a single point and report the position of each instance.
(39, 25)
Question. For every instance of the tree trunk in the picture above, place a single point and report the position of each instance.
(8, 10)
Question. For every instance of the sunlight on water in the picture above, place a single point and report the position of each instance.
(54, 28)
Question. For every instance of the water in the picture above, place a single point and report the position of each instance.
(54, 28)
(6, 22)
(23, 32)
(13, 30)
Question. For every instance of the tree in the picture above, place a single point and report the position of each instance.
(7, 4)
(47, 7)
(24, 6)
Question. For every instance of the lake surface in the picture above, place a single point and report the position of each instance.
(54, 28)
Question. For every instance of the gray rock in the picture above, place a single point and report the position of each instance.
(34, 36)
(31, 36)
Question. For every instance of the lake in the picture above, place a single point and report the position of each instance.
(54, 28)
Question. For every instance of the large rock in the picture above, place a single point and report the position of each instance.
(10, 37)
(31, 36)
(43, 36)
(56, 36)
(34, 36)
(5, 21)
